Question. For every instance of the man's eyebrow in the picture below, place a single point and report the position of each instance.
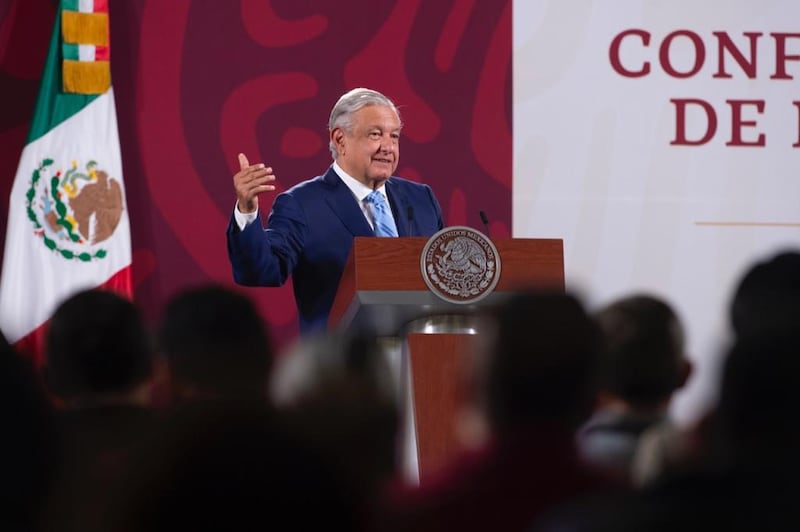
(378, 126)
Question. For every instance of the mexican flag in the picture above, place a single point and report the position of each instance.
(68, 226)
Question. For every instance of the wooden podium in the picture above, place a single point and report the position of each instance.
(382, 292)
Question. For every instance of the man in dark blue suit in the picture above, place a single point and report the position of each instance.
(312, 225)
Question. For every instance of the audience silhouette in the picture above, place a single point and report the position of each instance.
(767, 297)
(642, 365)
(99, 365)
(337, 395)
(230, 466)
(569, 401)
(216, 345)
(537, 388)
(28, 446)
(747, 469)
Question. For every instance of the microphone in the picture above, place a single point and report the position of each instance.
(410, 219)
(485, 220)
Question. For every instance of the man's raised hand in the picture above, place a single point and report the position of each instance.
(249, 182)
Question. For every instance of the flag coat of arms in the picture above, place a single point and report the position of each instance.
(68, 226)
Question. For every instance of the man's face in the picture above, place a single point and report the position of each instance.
(371, 149)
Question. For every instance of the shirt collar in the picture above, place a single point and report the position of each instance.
(359, 189)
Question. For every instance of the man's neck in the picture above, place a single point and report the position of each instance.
(372, 184)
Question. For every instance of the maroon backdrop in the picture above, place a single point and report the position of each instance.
(198, 81)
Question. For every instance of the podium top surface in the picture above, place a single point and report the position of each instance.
(382, 288)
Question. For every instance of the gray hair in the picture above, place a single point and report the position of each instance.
(349, 103)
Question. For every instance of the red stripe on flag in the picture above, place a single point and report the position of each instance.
(100, 6)
(101, 53)
(32, 344)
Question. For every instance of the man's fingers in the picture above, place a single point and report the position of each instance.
(250, 185)
(254, 172)
(255, 190)
(261, 180)
(243, 163)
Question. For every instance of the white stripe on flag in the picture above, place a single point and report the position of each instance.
(35, 279)
(86, 6)
(86, 52)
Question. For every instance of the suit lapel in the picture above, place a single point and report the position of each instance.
(345, 206)
(399, 204)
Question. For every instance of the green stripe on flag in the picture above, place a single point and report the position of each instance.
(71, 5)
(53, 106)
(71, 51)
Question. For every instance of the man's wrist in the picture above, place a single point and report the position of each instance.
(243, 219)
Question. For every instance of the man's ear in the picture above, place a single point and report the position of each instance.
(337, 136)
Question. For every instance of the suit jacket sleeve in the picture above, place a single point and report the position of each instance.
(267, 257)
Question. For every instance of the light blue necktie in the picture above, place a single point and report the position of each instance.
(382, 215)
